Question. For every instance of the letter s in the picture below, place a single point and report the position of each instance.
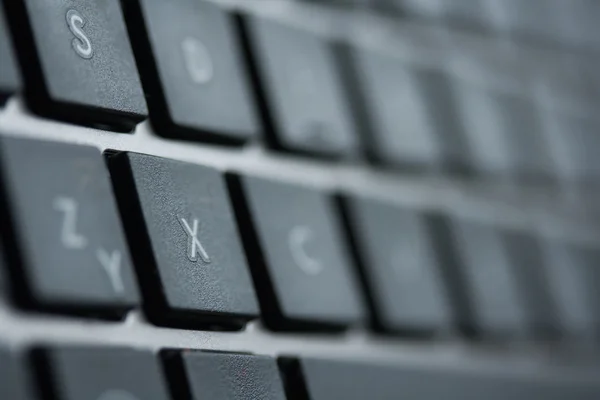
(81, 43)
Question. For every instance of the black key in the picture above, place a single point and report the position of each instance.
(502, 125)
(350, 380)
(525, 253)
(490, 276)
(14, 384)
(302, 89)
(97, 373)
(222, 376)
(573, 277)
(400, 266)
(66, 235)
(10, 81)
(385, 96)
(78, 62)
(192, 68)
(301, 265)
(406, 110)
(580, 20)
(183, 234)
(532, 19)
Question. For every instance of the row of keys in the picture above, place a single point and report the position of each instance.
(197, 241)
(568, 23)
(96, 373)
(307, 94)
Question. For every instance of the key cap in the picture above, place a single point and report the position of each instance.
(13, 381)
(580, 22)
(302, 271)
(526, 255)
(78, 62)
(183, 233)
(67, 237)
(222, 376)
(400, 266)
(532, 19)
(98, 373)
(406, 111)
(303, 93)
(353, 380)
(385, 95)
(191, 64)
(490, 277)
(10, 81)
(573, 277)
(503, 128)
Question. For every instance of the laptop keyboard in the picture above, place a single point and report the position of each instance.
(294, 199)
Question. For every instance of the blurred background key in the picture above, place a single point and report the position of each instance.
(391, 108)
(399, 266)
(305, 105)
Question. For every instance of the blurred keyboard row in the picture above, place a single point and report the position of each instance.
(570, 23)
(208, 74)
(197, 248)
(98, 373)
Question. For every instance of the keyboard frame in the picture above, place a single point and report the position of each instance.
(547, 209)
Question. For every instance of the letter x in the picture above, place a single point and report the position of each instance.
(195, 248)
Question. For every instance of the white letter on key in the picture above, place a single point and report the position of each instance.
(112, 265)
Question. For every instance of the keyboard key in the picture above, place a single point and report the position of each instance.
(400, 266)
(10, 81)
(97, 373)
(385, 94)
(192, 68)
(580, 20)
(183, 234)
(78, 61)
(490, 278)
(222, 376)
(302, 89)
(503, 130)
(13, 381)
(352, 380)
(531, 19)
(68, 240)
(302, 271)
(526, 255)
(573, 278)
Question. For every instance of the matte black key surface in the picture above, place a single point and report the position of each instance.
(192, 67)
(399, 263)
(302, 268)
(194, 244)
(221, 376)
(9, 76)
(14, 384)
(78, 61)
(72, 249)
(349, 380)
(97, 373)
(491, 279)
(304, 95)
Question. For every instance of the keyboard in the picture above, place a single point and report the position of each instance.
(299, 199)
